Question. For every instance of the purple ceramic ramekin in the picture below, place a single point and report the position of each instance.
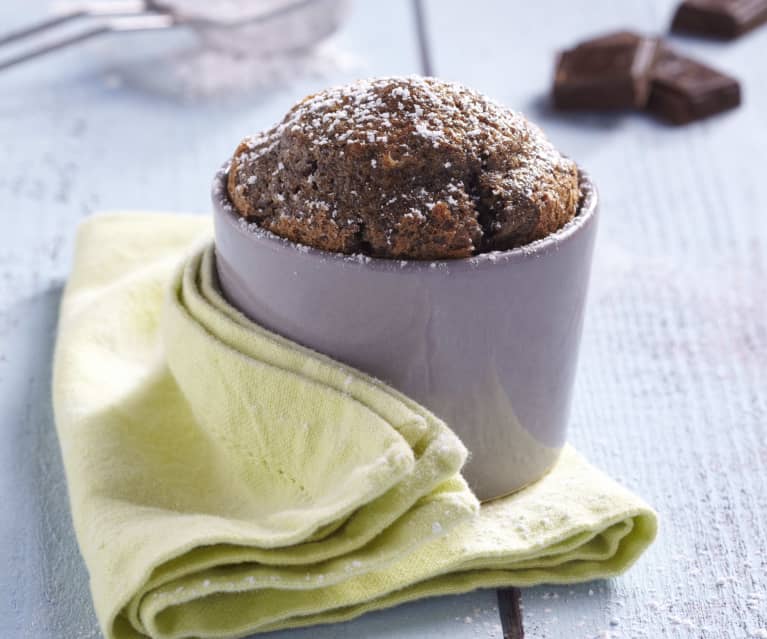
(488, 343)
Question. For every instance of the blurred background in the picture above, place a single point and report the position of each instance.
(163, 108)
(669, 396)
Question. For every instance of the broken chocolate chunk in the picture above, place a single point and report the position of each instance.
(607, 73)
(684, 90)
(723, 19)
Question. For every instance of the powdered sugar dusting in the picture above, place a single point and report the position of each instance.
(498, 160)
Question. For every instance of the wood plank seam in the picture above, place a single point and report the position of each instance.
(422, 36)
(510, 611)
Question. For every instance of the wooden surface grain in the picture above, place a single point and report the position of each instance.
(670, 395)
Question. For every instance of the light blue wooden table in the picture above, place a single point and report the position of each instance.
(671, 395)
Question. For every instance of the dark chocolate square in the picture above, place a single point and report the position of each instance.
(608, 73)
(724, 19)
(684, 90)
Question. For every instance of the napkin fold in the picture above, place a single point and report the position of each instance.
(224, 480)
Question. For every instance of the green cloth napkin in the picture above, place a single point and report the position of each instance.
(224, 480)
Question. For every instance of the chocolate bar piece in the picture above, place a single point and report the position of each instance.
(684, 90)
(607, 73)
(724, 19)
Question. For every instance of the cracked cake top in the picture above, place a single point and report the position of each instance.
(406, 168)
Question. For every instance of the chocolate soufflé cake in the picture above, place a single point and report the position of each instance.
(406, 168)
